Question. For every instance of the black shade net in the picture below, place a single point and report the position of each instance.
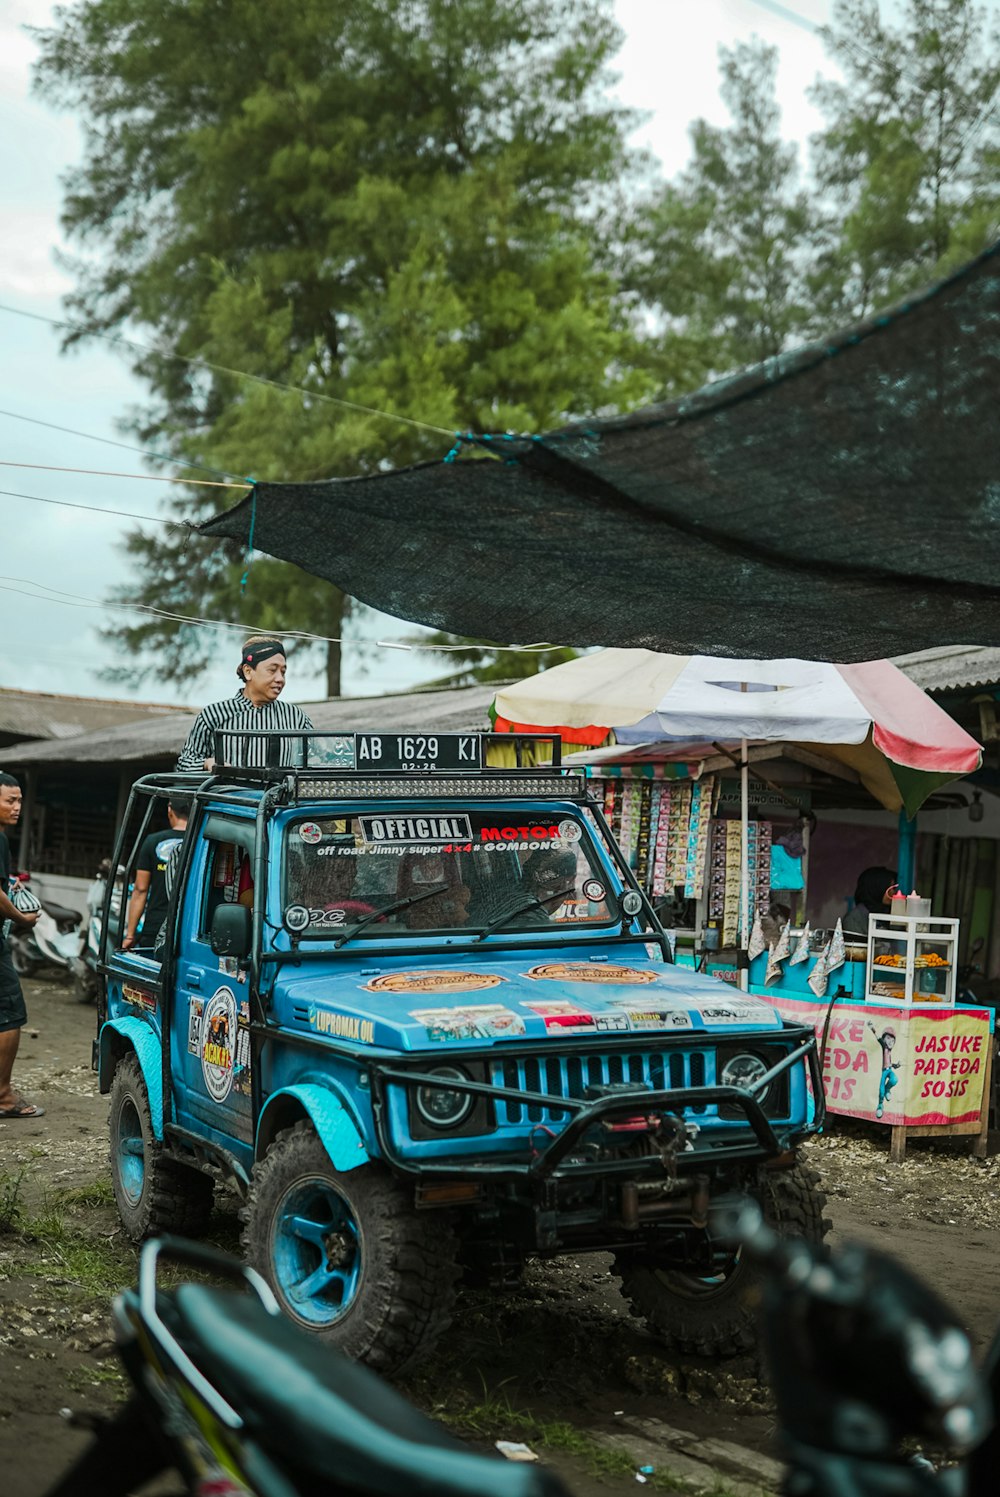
(841, 502)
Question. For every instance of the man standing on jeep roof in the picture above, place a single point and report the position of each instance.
(254, 709)
(13, 1014)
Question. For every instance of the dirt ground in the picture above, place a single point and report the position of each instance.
(562, 1349)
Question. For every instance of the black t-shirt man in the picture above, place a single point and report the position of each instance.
(153, 854)
(4, 875)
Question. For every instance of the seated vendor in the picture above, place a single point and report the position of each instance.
(874, 890)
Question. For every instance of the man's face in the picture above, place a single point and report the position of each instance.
(266, 681)
(10, 804)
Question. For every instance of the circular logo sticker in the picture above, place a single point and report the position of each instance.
(593, 890)
(218, 1038)
(310, 832)
(296, 918)
(433, 982)
(570, 831)
(584, 972)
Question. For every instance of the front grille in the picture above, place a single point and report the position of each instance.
(571, 1075)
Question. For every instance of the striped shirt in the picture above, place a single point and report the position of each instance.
(240, 715)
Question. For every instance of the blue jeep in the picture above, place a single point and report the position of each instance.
(423, 1015)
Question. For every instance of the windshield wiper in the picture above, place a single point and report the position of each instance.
(389, 909)
(522, 909)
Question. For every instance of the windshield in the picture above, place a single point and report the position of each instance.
(445, 871)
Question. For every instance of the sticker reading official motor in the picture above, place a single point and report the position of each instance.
(415, 829)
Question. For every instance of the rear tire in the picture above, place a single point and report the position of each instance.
(84, 987)
(347, 1255)
(717, 1317)
(22, 963)
(153, 1193)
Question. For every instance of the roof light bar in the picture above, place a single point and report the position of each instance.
(561, 787)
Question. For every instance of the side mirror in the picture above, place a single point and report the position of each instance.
(232, 930)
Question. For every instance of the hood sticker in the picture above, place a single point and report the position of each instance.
(482, 1021)
(589, 972)
(563, 1016)
(736, 1013)
(218, 1035)
(341, 1026)
(433, 982)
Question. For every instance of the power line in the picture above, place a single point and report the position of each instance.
(787, 14)
(258, 379)
(204, 483)
(158, 457)
(96, 509)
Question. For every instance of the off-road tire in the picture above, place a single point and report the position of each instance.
(405, 1260)
(153, 1192)
(719, 1318)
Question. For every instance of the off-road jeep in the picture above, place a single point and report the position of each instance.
(422, 1013)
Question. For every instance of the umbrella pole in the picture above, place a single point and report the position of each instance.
(744, 921)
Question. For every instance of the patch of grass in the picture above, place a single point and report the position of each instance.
(10, 1201)
(96, 1264)
(97, 1192)
(107, 1375)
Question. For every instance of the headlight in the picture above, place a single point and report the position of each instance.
(743, 1070)
(441, 1106)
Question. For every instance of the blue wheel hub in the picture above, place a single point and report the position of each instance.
(316, 1252)
(131, 1153)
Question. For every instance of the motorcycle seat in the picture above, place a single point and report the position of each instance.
(60, 913)
(331, 1421)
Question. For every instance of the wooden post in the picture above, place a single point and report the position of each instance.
(897, 1144)
(27, 812)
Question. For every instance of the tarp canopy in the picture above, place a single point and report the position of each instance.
(841, 502)
(867, 717)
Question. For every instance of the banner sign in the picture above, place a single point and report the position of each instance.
(905, 1067)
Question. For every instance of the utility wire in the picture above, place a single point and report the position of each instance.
(159, 457)
(258, 379)
(787, 14)
(43, 593)
(204, 483)
(96, 509)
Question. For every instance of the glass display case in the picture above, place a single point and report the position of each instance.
(912, 961)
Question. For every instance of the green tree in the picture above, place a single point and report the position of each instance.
(723, 250)
(908, 166)
(398, 205)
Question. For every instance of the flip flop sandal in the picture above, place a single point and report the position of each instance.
(22, 1109)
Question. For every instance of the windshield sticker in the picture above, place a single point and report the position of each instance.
(139, 997)
(562, 1016)
(483, 1021)
(407, 829)
(342, 1026)
(532, 834)
(433, 982)
(195, 1011)
(218, 1035)
(309, 832)
(593, 889)
(588, 972)
(570, 831)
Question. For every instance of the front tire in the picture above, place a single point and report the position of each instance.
(153, 1193)
(717, 1316)
(347, 1255)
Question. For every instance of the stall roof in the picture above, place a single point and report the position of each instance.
(840, 498)
(162, 737)
(951, 667)
(44, 714)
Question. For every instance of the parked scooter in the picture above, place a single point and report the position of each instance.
(84, 964)
(238, 1399)
(53, 940)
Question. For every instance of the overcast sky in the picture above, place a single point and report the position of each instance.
(668, 68)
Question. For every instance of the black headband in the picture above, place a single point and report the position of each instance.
(255, 653)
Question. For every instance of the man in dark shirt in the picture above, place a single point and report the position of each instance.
(13, 1015)
(149, 894)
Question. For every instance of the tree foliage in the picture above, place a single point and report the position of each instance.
(396, 204)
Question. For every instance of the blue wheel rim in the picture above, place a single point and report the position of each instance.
(316, 1252)
(131, 1153)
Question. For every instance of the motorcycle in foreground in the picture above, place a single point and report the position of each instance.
(865, 1360)
(53, 940)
